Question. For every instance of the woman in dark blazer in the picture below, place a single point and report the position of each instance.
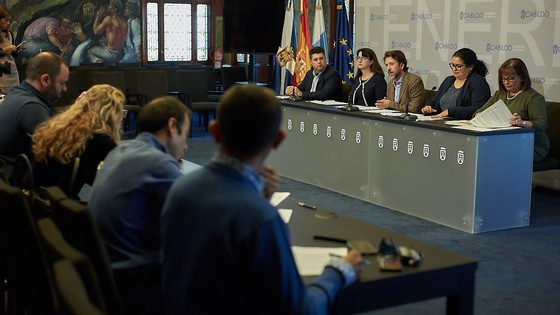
(461, 94)
(369, 82)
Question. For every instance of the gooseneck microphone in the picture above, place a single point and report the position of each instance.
(350, 107)
(406, 115)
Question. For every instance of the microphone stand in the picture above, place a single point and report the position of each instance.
(406, 115)
(349, 107)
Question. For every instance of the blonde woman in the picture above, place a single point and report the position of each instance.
(8, 51)
(89, 129)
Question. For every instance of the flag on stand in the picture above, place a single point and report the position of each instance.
(343, 45)
(303, 64)
(285, 63)
(319, 32)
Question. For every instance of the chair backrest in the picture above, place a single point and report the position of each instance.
(71, 290)
(79, 228)
(171, 71)
(57, 248)
(72, 90)
(194, 84)
(130, 79)
(85, 74)
(151, 83)
(25, 259)
(114, 78)
(231, 75)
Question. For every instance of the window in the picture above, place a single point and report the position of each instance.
(177, 30)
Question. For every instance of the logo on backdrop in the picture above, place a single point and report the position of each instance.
(410, 147)
(342, 134)
(358, 137)
(442, 153)
(419, 71)
(447, 46)
(470, 15)
(302, 126)
(378, 17)
(420, 16)
(498, 47)
(400, 45)
(380, 142)
(289, 124)
(315, 129)
(538, 80)
(395, 144)
(329, 131)
(534, 14)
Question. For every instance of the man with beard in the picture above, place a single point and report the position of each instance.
(404, 89)
(31, 103)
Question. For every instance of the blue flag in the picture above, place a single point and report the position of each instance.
(343, 60)
(319, 32)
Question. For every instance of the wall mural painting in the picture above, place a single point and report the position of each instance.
(83, 32)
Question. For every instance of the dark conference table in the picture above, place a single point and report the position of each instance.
(472, 181)
(440, 274)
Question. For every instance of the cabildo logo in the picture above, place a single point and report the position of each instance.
(420, 16)
(534, 13)
(498, 47)
(376, 17)
(419, 71)
(395, 44)
(538, 80)
(439, 45)
(555, 49)
(471, 15)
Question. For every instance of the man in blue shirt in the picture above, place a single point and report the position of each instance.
(127, 197)
(225, 248)
(31, 103)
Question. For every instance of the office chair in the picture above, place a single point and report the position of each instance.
(232, 75)
(151, 84)
(57, 248)
(193, 88)
(79, 228)
(72, 292)
(25, 260)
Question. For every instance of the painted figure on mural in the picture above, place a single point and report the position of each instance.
(133, 39)
(59, 35)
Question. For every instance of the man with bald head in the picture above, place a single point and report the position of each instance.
(31, 103)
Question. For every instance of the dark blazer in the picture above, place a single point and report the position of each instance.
(373, 90)
(412, 91)
(474, 93)
(329, 86)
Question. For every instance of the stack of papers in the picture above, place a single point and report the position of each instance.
(494, 117)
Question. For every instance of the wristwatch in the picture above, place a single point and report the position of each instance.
(523, 124)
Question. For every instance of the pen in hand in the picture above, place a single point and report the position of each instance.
(301, 204)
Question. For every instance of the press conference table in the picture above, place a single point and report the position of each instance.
(468, 180)
(440, 274)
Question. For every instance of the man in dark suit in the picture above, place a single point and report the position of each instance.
(404, 87)
(322, 82)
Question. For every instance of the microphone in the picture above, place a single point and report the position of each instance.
(406, 115)
(294, 97)
(350, 107)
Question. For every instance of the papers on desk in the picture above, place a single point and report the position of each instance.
(285, 214)
(327, 102)
(494, 117)
(283, 97)
(311, 261)
(278, 197)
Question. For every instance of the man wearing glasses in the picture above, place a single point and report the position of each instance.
(322, 82)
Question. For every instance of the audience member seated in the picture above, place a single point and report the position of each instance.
(527, 106)
(127, 197)
(222, 238)
(461, 94)
(87, 130)
(404, 88)
(322, 82)
(30, 104)
(369, 83)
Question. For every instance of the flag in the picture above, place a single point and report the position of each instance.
(303, 63)
(319, 32)
(285, 63)
(343, 45)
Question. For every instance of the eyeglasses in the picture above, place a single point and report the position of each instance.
(455, 67)
(509, 79)
(362, 58)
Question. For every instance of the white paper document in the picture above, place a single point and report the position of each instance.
(495, 116)
(327, 102)
(283, 97)
(311, 261)
(285, 214)
(278, 197)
